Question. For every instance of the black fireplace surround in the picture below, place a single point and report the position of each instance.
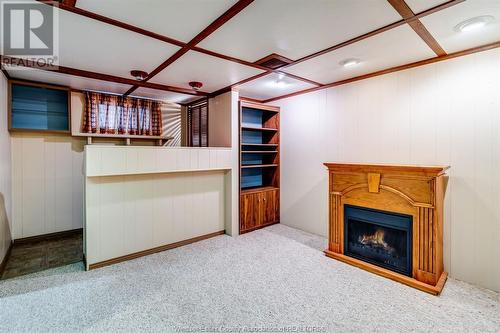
(379, 237)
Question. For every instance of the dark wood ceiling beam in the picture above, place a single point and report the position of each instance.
(6, 74)
(110, 21)
(221, 20)
(409, 16)
(70, 3)
(166, 39)
(98, 76)
(392, 70)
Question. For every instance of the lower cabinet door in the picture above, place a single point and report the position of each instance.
(250, 211)
(270, 206)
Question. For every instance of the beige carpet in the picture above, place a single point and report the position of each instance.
(272, 280)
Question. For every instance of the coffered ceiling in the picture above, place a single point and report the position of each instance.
(218, 43)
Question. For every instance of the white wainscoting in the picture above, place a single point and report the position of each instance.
(125, 160)
(139, 198)
(5, 173)
(47, 184)
(446, 113)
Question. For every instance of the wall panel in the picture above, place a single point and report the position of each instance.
(47, 175)
(446, 113)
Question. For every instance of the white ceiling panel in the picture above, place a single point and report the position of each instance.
(272, 85)
(164, 95)
(296, 28)
(418, 6)
(395, 47)
(441, 25)
(71, 81)
(213, 72)
(91, 45)
(178, 19)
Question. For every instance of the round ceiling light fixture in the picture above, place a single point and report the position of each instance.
(474, 23)
(139, 75)
(351, 62)
(195, 85)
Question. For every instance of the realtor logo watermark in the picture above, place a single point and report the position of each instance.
(30, 34)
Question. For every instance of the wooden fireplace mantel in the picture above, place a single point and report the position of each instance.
(412, 190)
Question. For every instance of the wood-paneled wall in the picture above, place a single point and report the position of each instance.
(129, 214)
(47, 184)
(5, 174)
(445, 114)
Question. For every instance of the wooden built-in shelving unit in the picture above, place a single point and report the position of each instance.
(259, 166)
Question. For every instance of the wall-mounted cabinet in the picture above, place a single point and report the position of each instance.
(38, 107)
(259, 163)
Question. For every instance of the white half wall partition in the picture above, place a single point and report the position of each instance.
(142, 199)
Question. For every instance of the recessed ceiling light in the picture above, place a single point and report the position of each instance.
(279, 84)
(351, 62)
(473, 23)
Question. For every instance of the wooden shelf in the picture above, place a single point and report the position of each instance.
(260, 144)
(249, 166)
(259, 151)
(258, 189)
(265, 129)
(259, 166)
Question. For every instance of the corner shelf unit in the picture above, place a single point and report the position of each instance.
(259, 165)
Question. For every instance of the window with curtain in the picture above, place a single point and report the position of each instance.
(197, 115)
(112, 114)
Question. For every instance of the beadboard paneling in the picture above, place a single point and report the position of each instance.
(129, 160)
(5, 174)
(446, 113)
(128, 214)
(47, 184)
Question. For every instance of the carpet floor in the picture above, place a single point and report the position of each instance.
(272, 280)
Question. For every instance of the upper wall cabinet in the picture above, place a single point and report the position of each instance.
(38, 107)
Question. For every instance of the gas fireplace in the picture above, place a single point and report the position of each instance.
(388, 219)
(378, 237)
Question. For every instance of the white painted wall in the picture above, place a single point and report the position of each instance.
(5, 174)
(47, 184)
(446, 113)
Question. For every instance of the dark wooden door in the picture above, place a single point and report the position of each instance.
(250, 211)
(270, 206)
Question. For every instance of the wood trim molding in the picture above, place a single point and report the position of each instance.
(98, 76)
(70, 3)
(405, 11)
(154, 250)
(3, 264)
(391, 70)
(6, 74)
(221, 20)
(173, 41)
(53, 235)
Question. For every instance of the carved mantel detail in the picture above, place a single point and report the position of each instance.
(412, 190)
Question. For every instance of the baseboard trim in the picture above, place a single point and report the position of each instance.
(3, 264)
(53, 235)
(154, 250)
(428, 288)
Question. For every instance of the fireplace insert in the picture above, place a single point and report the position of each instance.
(379, 237)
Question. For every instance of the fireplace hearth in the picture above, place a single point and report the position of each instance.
(379, 237)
